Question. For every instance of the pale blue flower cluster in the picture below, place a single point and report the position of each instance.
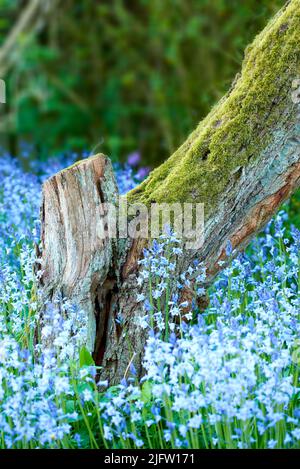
(31, 394)
(35, 379)
(38, 355)
(228, 378)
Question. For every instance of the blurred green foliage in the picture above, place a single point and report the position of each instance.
(118, 76)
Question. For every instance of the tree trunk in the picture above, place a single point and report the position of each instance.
(242, 162)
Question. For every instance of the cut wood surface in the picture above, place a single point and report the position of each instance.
(242, 162)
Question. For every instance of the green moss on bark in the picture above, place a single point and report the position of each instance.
(240, 126)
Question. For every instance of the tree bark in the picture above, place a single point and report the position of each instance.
(242, 162)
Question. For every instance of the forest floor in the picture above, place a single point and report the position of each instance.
(227, 377)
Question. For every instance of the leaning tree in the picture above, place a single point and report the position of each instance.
(242, 162)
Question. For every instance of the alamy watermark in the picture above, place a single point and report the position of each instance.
(139, 221)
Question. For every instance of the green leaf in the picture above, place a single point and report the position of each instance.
(146, 391)
(85, 358)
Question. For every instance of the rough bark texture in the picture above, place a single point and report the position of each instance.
(242, 161)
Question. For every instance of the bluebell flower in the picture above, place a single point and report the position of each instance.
(228, 248)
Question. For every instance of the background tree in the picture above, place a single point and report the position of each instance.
(242, 162)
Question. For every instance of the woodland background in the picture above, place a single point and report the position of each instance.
(123, 76)
(132, 79)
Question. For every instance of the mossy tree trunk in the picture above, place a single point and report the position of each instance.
(31, 21)
(242, 162)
